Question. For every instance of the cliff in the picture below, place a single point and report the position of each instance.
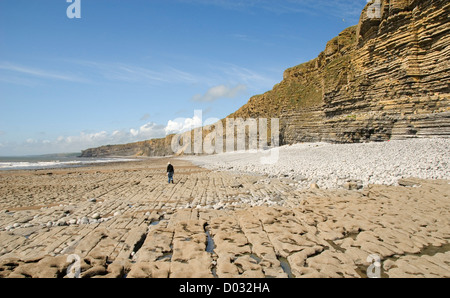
(386, 78)
(156, 147)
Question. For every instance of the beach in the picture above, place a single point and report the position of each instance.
(117, 220)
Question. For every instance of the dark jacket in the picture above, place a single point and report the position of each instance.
(170, 169)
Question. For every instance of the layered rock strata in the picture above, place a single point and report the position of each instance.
(387, 78)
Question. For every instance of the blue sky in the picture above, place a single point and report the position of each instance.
(131, 70)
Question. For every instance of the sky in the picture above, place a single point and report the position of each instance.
(132, 70)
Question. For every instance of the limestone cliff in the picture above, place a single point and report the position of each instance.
(386, 78)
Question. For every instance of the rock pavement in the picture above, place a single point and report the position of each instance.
(125, 221)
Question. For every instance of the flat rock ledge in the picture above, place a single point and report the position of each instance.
(217, 224)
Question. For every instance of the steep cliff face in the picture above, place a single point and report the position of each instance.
(386, 78)
(392, 82)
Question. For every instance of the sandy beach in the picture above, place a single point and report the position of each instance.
(124, 220)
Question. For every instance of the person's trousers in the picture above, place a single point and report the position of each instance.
(170, 174)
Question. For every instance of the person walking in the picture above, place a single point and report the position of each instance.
(170, 172)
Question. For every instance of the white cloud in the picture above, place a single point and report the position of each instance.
(220, 91)
(248, 77)
(116, 133)
(85, 138)
(134, 132)
(211, 74)
(82, 141)
(39, 73)
(147, 131)
(116, 71)
(151, 130)
(180, 125)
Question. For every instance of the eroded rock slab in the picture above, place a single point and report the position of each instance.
(206, 227)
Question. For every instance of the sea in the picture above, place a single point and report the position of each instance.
(52, 161)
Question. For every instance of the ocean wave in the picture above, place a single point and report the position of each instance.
(36, 165)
